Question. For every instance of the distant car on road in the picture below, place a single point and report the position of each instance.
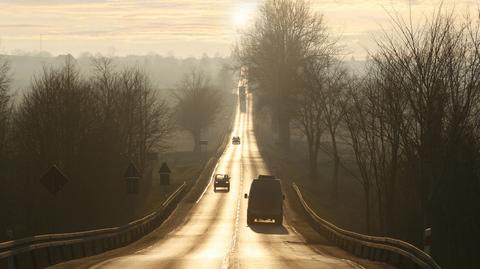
(236, 140)
(265, 200)
(221, 181)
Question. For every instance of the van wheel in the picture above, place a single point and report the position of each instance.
(228, 188)
(279, 220)
(250, 220)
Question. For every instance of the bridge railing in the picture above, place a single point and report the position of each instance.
(391, 251)
(45, 250)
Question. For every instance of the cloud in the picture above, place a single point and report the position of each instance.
(176, 23)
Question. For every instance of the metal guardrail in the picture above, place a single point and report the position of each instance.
(45, 250)
(392, 251)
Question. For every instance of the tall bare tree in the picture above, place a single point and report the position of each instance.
(56, 117)
(420, 120)
(198, 104)
(134, 119)
(309, 113)
(5, 106)
(286, 34)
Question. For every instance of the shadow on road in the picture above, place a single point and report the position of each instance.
(268, 228)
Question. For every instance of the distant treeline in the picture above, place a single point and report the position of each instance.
(164, 71)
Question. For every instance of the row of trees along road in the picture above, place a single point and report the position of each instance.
(411, 121)
(91, 127)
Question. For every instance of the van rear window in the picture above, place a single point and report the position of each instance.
(270, 188)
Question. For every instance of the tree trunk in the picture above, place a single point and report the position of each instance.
(196, 140)
(284, 129)
(336, 163)
(312, 157)
(367, 211)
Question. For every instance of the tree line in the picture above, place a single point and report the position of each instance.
(411, 121)
(91, 127)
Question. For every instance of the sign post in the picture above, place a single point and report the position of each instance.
(132, 178)
(164, 177)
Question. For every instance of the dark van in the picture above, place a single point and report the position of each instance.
(265, 200)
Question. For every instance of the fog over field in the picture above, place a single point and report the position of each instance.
(165, 72)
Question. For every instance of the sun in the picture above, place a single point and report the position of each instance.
(242, 15)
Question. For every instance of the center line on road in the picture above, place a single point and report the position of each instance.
(226, 259)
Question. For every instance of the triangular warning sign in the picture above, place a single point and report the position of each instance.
(131, 172)
(164, 169)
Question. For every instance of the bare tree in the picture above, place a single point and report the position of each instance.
(198, 104)
(416, 116)
(373, 120)
(309, 113)
(333, 81)
(6, 167)
(134, 118)
(5, 107)
(286, 34)
(357, 122)
(56, 117)
(145, 118)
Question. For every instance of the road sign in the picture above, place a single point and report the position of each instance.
(164, 169)
(132, 177)
(132, 172)
(53, 180)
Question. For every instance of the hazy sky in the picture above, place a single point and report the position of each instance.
(182, 27)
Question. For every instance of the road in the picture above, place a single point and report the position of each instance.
(214, 234)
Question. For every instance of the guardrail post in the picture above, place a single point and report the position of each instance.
(373, 254)
(362, 251)
(399, 261)
(387, 257)
(72, 251)
(25, 260)
(84, 252)
(357, 250)
(94, 250)
(40, 258)
(113, 241)
(104, 243)
(49, 255)
(12, 262)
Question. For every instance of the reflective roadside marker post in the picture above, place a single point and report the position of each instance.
(10, 260)
(132, 178)
(164, 177)
(427, 240)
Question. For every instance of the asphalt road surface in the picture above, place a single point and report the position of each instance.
(214, 233)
